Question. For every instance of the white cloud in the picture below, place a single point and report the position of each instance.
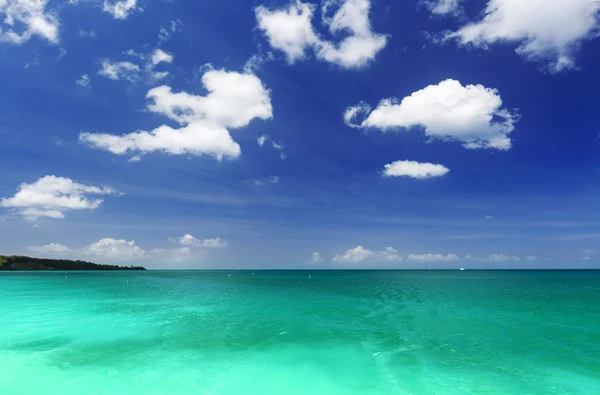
(316, 258)
(108, 249)
(176, 25)
(189, 240)
(33, 62)
(409, 168)
(120, 9)
(84, 81)
(360, 254)
(442, 7)
(362, 45)
(84, 34)
(233, 101)
(164, 33)
(390, 254)
(264, 181)
(256, 61)
(26, 18)
(290, 30)
(158, 56)
(354, 255)
(133, 72)
(51, 249)
(52, 196)
(279, 147)
(545, 30)
(133, 53)
(531, 258)
(120, 250)
(119, 70)
(193, 139)
(471, 114)
(262, 139)
(502, 258)
(61, 54)
(353, 112)
(432, 257)
(161, 56)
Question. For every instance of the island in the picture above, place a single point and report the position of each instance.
(18, 262)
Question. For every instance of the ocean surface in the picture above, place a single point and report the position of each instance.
(300, 332)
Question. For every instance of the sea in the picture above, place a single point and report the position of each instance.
(300, 332)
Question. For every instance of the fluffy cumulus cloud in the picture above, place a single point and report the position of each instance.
(159, 56)
(471, 114)
(120, 9)
(234, 99)
(194, 139)
(119, 70)
(429, 257)
(114, 250)
(545, 30)
(354, 255)
(291, 31)
(52, 196)
(409, 168)
(442, 7)
(23, 19)
(191, 241)
(316, 258)
(51, 249)
(390, 254)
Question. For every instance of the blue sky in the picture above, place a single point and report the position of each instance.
(135, 126)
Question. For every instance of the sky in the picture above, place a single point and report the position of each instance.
(332, 134)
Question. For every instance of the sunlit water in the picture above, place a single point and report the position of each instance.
(363, 332)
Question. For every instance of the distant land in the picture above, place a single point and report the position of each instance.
(17, 262)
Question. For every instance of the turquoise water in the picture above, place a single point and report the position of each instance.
(360, 332)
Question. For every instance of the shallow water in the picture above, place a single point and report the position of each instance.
(352, 332)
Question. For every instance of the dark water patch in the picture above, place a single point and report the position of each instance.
(37, 345)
